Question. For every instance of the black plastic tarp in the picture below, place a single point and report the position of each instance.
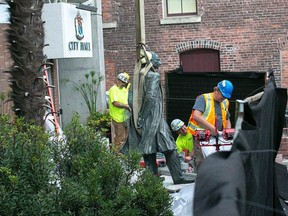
(243, 181)
(182, 89)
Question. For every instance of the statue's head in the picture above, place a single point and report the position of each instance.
(155, 60)
(151, 56)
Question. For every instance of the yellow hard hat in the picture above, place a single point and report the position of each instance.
(127, 75)
(124, 77)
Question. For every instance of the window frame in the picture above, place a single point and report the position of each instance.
(180, 14)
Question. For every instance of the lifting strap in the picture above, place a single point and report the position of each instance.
(138, 84)
(253, 98)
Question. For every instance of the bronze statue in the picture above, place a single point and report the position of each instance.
(148, 131)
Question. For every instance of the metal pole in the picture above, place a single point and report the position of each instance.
(98, 52)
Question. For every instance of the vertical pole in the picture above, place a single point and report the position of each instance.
(140, 23)
(140, 38)
(98, 52)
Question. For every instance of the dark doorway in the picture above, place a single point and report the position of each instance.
(200, 60)
(182, 88)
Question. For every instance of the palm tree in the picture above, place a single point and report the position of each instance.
(26, 42)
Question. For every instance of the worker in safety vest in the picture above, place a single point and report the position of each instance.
(119, 110)
(210, 111)
(184, 141)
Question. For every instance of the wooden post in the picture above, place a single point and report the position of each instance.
(140, 38)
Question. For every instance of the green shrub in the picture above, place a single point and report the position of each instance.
(103, 182)
(100, 122)
(25, 168)
(76, 175)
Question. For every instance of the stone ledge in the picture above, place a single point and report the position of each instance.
(110, 25)
(180, 20)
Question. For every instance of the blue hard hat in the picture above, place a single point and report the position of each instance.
(226, 88)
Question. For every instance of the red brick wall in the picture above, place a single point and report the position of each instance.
(247, 31)
(284, 144)
(110, 68)
(107, 10)
(5, 60)
(5, 64)
(284, 63)
(249, 36)
(119, 42)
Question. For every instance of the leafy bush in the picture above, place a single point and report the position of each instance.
(100, 122)
(103, 183)
(25, 167)
(73, 176)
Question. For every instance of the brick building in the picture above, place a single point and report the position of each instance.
(5, 63)
(239, 35)
(249, 35)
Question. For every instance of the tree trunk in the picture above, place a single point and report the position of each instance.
(26, 42)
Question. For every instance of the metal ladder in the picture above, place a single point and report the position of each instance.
(49, 99)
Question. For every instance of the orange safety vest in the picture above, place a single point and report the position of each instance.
(209, 113)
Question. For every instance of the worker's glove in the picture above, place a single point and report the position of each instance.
(182, 155)
(140, 122)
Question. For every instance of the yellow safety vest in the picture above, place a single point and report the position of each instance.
(184, 142)
(120, 95)
(209, 113)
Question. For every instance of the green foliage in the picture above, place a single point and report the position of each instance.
(76, 175)
(100, 122)
(88, 89)
(151, 199)
(6, 105)
(103, 183)
(2, 97)
(25, 167)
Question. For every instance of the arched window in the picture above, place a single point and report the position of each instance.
(200, 60)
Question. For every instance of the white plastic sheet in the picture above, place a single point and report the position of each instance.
(208, 150)
(183, 201)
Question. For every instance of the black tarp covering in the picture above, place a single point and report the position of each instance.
(243, 181)
(282, 183)
(182, 89)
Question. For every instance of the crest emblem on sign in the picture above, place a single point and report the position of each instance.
(78, 22)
